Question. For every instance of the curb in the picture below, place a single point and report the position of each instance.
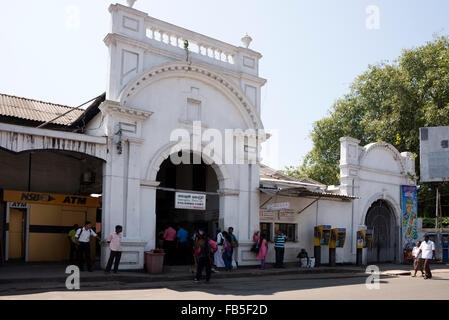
(159, 278)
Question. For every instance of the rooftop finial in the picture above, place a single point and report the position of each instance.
(247, 40)
(131, 3)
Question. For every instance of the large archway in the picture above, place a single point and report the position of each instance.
(380, 218)
(193, 177)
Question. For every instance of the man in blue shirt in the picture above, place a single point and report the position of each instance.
(279, 247)
(182, 245)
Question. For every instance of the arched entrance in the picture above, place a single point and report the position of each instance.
(194, 177)
(380, 219)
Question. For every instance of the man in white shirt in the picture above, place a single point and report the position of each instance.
(114, 240)
(82, 237)
(427, 249)
(417, 259)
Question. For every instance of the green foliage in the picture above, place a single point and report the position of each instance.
(430, 222)
(389, 102)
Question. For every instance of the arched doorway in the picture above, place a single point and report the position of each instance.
(380, 219)
(194, 177)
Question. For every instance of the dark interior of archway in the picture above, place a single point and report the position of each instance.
(380, 219)
(186, 177)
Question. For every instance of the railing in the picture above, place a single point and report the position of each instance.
(175, 36)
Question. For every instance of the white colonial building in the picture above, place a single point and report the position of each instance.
(166, 83)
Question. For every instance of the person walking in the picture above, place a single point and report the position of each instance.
(114, 241)
(279, 247)
(203, 256)
(170, 244)
(417, 260)
(73, 245)
(262, 246)
(82, 237)
(427, 249)
(227, 251)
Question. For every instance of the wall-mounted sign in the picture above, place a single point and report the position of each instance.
(18, 205)
(51, 199)
(192, 201)
(287, 215)
(267, 215)
(278, 206)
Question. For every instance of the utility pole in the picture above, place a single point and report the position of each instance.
(437, 207)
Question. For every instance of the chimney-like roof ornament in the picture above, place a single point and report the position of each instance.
(247, 40)
(131, 3)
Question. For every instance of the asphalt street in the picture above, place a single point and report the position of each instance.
(285, 287)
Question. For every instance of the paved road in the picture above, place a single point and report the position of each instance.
(287, 287)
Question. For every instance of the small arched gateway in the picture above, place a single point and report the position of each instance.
(375, 173)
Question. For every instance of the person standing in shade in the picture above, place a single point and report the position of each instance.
(182, 245)
(235, 243)
(227, 251)
(73, 245)
(279, 247)
(262, 246)
(218, 256)
(427, 249)
(114, 240)
(170, 244)
(83, 236)
(203, 256)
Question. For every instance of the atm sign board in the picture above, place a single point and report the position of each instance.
(192, 201)
(50, 199)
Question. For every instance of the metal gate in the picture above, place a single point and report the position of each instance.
(381, 220)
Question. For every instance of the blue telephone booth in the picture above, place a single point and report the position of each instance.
(445, 247)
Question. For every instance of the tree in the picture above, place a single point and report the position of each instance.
(389, 102)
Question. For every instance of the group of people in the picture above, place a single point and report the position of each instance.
(80, 238)
(205, 252)
(423, 254)
(260, 247)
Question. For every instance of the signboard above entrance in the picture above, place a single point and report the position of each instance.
(278, 206)
(192, 201)
(50, 199)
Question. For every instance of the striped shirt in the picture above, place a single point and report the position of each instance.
(279, 241)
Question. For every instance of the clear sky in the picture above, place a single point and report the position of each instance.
(312, 49)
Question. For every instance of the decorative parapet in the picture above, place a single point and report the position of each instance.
(139, 26)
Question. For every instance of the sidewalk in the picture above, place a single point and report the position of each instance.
(29, 275)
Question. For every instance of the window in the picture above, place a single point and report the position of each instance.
(265, 228)
(289, 229)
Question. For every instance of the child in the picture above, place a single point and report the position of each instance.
(303, 258)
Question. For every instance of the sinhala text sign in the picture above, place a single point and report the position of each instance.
(192, 201)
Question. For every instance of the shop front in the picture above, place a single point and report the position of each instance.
(38, 224)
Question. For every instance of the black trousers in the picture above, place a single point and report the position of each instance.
(84, 250)
(203, 262)
(170, 250)
(279, 256)
(73, 252)
(427, 272)
(115, 255)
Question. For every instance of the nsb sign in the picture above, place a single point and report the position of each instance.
(52, 199)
